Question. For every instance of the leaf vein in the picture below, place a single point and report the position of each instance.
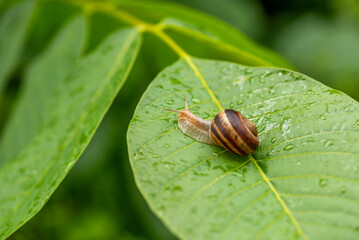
(174, 153)
(241, 213)
(193, 196)
(187, 170)
(279, 198)
(316, 176)
(224, 201)
(304, 136)
(269, 225)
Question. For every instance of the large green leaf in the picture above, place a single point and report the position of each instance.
(197, 33)
(72, 116)
(13, 25)
(43, 76)
(301, 183)
(196, 27)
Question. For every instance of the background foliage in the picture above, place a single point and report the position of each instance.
(98, 199)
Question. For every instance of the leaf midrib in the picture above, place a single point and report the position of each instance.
(279, 198)
(157, 30)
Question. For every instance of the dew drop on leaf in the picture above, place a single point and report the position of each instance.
(323, 182)
(177, 188)
(170, 102)
(195, 100)
(270, 153)
(289, 147)
(175, 80)
(310, 140)
(220, 168)
(33, 172)
(328, 143)
(140, 152)
(240, 102)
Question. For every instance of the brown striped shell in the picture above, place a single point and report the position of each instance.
(234, 132)
(228, 129)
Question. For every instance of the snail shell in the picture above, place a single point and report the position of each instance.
(229, 129)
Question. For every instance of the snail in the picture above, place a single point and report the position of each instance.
(229, 129)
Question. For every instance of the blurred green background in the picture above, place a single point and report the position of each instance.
(99, 199)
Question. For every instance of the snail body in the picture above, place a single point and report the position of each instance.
(229, 129)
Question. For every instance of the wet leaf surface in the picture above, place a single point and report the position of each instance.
(301, 183)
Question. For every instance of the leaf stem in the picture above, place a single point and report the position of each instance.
(155, 29)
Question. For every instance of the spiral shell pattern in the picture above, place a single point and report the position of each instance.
(234, 132)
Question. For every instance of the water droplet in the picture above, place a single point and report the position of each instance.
(289, 147)
(248, 71)
(195, 100)
(356, 124)
(220, 168)
(166, 145)
(175, 80)
(348, 107)
(270, 153)
(328, 143)
(240, 102)
(323, 182)
(200, 173)
(170, 102)
(33, 172)
(240, 81)
(176, 188)
(286, 127)
(310, 140)
(140, 152)
(273, 140)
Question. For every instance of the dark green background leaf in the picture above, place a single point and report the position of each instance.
(192, 30)
(13, 24)
(301, 183)
(73, 115)
(41, 79)
(326, 50)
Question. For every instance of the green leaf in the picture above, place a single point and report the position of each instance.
(301, 183)
(72, 116)
(193, 29)
(13, 24)
(44, 74)
(196, 33)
